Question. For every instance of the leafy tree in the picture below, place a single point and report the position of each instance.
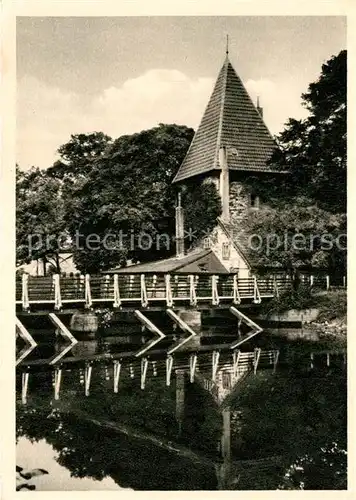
(40, 223)
(313, 150)
(297, 236)
(310, 199)
(77, 155)
(128, 200)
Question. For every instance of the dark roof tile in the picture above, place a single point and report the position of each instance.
(232, 120)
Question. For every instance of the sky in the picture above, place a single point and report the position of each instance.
(120, 75)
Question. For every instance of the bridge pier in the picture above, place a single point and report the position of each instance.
(85, 322)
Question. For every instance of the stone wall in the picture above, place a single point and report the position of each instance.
(239, 202)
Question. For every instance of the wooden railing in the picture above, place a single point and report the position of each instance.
(145, 289)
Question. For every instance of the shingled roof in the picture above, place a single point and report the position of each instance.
(230, 119)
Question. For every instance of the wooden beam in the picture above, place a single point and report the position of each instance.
(255, 327)
(25, 335)
(153, 329)
(186, 329)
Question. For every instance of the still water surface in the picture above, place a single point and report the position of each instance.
(78, 439)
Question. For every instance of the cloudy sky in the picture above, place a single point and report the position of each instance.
(120, 75)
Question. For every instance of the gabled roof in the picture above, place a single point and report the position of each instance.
(196, 261)
(230, 119)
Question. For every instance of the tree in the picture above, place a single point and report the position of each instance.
(40, 224)
(299, 235)
(127, 200)
(314, 151)
(309, 199)
(77, 155)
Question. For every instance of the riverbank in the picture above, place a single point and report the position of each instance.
(318, 315)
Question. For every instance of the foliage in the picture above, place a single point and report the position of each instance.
(128, 194)
(77, 156)
(332, 306)
(325, 468)
(291, 413)
(301, 298)
(301, 235)
(313, 150)
(40, 222)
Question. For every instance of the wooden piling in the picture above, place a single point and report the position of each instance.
(180, 398)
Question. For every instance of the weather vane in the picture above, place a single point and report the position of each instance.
(227, 45)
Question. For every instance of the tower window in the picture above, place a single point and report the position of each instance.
(255, 201)
(226, 251)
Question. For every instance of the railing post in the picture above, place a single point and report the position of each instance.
(87, 378)
(327, 282)
(57, 382)
(237, 298)
(144, 366)
(144, 300)
(57, 292)
(88, 301)
(275, 287)
(215, 364)
(25, 377)
(235, 359)
(25, 301)
(256, 358)
(275, 360)
(169, 366)
(192, 366)
(117, 300)
(311, 280)
(344, 281)
(256, 292)
(117, 370)
(192, 292)
(214, 290)
(169, 298)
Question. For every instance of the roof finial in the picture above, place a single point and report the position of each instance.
(258, 101)
(227, 45)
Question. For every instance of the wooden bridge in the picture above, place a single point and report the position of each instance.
(144, 291)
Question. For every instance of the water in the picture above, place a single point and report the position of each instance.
(132, 439)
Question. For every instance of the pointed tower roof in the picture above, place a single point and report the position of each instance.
(232, 120)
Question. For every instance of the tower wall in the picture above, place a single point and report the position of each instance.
(239, 200)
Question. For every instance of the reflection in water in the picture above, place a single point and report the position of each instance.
(59, 478)
(260, 423)
(110, 458)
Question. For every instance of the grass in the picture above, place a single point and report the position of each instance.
(332, 305)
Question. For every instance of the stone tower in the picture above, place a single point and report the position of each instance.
(231, 143)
